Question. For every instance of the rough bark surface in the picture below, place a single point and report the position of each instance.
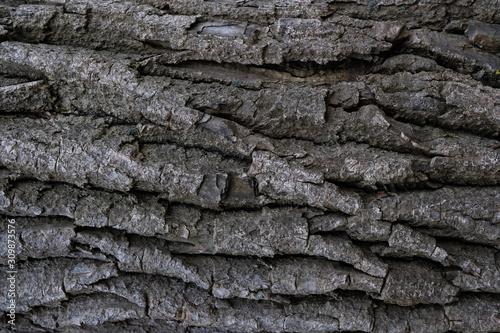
(251, 166)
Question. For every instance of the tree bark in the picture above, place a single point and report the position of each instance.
(251, 166)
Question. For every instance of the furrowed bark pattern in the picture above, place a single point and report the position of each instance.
(251, 166)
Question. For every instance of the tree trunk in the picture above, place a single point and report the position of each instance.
(250, 166)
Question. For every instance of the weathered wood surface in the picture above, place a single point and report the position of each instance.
(252, 166)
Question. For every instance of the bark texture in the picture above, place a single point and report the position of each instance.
(251, 166)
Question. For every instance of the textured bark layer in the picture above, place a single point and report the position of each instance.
(251, 166)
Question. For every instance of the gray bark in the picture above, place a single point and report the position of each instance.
(251, 166)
